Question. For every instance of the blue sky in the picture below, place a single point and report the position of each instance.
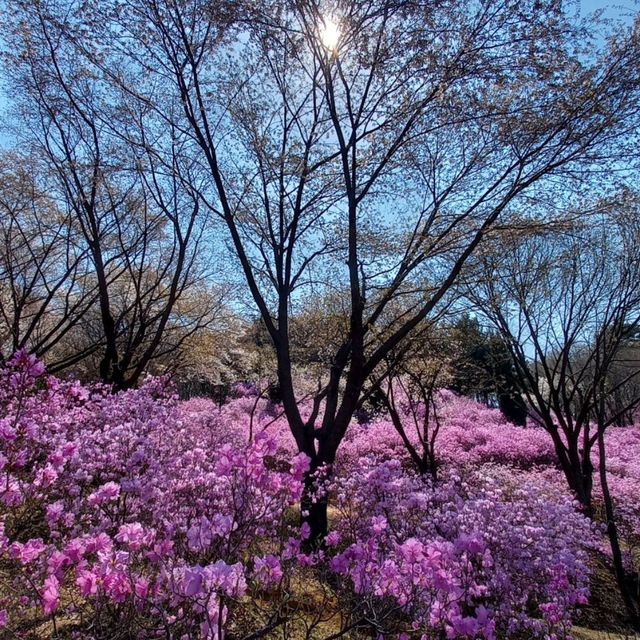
(613, 9)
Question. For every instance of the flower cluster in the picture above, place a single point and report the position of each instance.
(623, 474)
(469, 558)
(469, 433)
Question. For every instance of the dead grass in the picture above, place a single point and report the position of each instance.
(606, 613)
(580, 633)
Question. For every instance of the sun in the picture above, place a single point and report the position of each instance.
(329, 34)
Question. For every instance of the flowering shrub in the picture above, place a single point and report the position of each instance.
(623, 473)
(469, 434)
(124, 508)
(479, 558)
(179, 519)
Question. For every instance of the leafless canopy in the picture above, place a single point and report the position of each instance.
(368, 165)
(128, 217)
(567, 302)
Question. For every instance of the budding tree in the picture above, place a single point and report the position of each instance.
(363, 148)
(45, 284)
(566, 301)
(131, 203)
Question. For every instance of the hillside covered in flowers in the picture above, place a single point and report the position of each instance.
(137, 515)
(319, 320)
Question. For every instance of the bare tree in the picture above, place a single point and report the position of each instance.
(565, 301)
(604, 416)
(363, 148)
(45, 289)
(370, 156)
(138, 217)
(623, 381)
(409, 388)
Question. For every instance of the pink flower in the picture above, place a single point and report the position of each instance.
(471, 543)
(412, 550)
(340, 564)
(133, 536)
(160, 550)
(192, 583)
(69, 449)
(462, 627)
(87, 582)
(106, 493)
(300, 466)
(55, 510)
(7, 432)
(378, 524)
(227, 578)
(116, 585)
(75, 550)
(99, 543)
(28, 363)
(45, 477)
(27, 552)
(200, 534)
(50, 595)
(332, 539)
(292, 548)
(267, 570)
(141, 588)
(57, 562)
(11, 494)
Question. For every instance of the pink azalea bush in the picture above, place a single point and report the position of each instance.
(125, 509)
(484, 557)
(623, 473)
(469, 434)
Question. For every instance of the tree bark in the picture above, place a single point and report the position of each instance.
(624, 581)
(314, 512)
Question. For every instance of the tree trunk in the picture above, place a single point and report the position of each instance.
(580, 487)
(314, 511)
(432, 464)
(623, 579)
(314, 505)
(577, 469)
(315, 514)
